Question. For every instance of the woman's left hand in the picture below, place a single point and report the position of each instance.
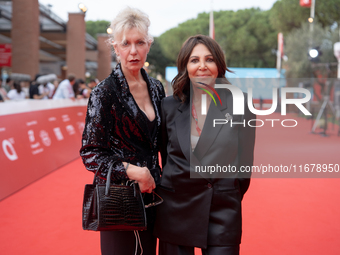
(142, 176)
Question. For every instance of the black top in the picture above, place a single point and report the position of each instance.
(151, 125)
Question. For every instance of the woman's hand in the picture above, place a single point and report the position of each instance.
(142, 176)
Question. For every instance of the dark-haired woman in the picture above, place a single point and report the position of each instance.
(16, 93)
(202, 209)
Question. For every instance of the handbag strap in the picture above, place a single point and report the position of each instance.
(135, 189)
(95, 175)
(108, 180)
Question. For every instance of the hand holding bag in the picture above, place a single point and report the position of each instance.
(113, 207)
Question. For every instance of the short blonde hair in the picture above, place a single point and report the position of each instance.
(130, 18)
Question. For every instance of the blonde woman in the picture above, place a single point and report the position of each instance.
(122, 125)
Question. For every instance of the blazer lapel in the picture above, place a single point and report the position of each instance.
(183, 129)
(155, 98)
(209, 133)
(126, 98)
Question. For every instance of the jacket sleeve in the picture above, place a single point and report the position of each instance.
(162, 91)
(161, 94)
(97, 142)
(163, 135)
(246, 139)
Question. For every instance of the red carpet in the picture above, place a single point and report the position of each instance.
(45, 217)
(297, 215)
(280, 216)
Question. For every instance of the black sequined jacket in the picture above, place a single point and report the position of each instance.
(115, 130)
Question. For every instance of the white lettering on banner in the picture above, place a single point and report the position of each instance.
(81, 126)
(58, 134)
(31, 135)
(80, 113)
(34, 122)
(16, 152)
(35, 145)
(32, 140)
(70, 130)
(65, 118)
(9, 150)
(37, 151)
(45, 138)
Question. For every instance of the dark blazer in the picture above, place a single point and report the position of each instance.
(115, 129)
(203, 209)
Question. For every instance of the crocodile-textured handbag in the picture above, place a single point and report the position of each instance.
(113, 207)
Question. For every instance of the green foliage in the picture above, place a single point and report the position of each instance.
(157, 60)
(172, 40)
(249, 36)
(328, 12)
(298, 43)
(286, 15)
(245, 36)
(247, 39)
(96, 27)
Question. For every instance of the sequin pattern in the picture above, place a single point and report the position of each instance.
(115, 131)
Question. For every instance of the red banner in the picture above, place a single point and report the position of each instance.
(36, 143)
(5, 54)
(306, 3)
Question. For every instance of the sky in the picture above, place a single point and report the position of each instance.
(163, 14)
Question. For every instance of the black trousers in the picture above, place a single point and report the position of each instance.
(124, 242)
(173, 249)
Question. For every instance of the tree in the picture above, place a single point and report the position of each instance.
(97, 27)
(171, 41)
(157, 60)
(245, 36)
(299, 41)
(287, 15)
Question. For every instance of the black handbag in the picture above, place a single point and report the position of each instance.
(113, 207)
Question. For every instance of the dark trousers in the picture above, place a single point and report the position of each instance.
(124, 242)
(173, 249)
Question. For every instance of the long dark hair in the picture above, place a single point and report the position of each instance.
(181, 82)
(17, 86)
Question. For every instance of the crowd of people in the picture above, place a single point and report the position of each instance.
(45, 87)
